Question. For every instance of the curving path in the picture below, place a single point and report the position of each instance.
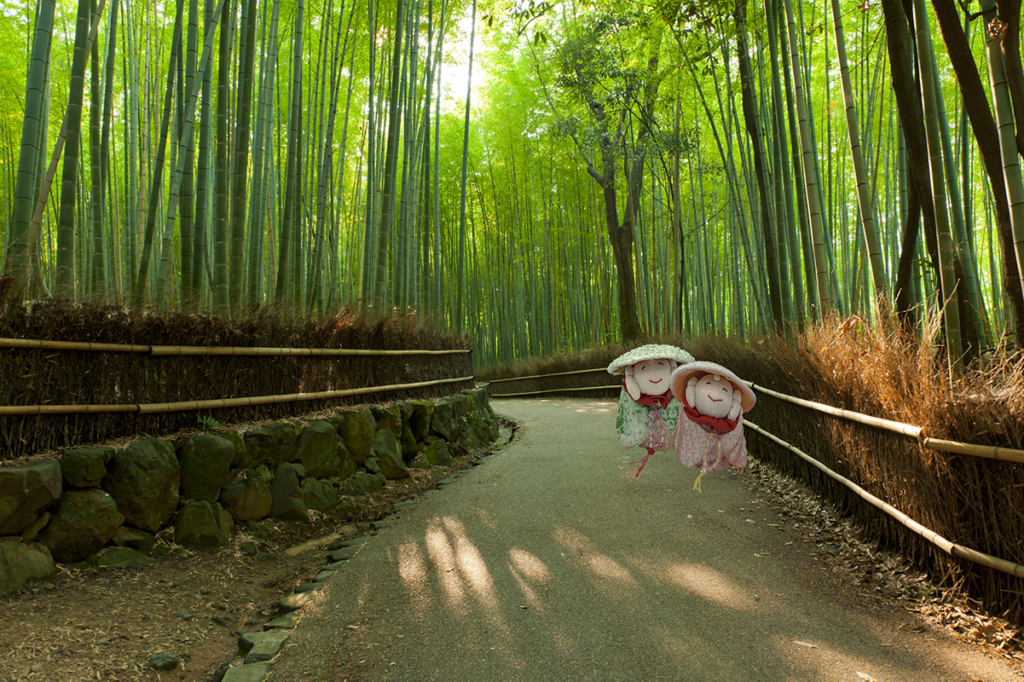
(552, 562)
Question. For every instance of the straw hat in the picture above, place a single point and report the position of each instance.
(681, 377)
(652, 351)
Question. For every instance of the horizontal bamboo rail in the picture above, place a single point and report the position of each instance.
(554, 374)
(193, 405)
(988, 451)
(557, 390)
(887, 424)
(211, 350)
(928, 534)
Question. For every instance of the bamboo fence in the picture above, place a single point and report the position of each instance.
(78, 387)
(988, 451)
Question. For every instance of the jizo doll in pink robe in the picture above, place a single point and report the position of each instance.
(709, 431)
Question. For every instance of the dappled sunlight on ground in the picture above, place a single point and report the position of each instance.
(700, 580)
(818, 659)
(598, 565)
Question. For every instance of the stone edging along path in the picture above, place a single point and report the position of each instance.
(258, 649)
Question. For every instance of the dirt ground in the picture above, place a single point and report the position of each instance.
(107, 624)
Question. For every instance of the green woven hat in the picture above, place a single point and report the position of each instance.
(651, 351)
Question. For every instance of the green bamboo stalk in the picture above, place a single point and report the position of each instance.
(65, 273)
(158, 164)
(821, 262)
(16, 262)
(1007, 143)
(243, 123)
(947, 277)
(865, 197)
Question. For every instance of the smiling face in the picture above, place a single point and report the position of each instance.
(652, 375)
(713, 395)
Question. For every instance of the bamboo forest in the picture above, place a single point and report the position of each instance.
(541, 176)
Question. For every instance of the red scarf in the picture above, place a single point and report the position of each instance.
(651, 400)
(716, 425)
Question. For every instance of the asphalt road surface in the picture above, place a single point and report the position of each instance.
(550, 561)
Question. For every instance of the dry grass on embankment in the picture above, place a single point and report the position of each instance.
(972, 501)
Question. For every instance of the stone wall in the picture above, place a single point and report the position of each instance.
(104, 505)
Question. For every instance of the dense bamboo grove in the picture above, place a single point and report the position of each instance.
(615, 169)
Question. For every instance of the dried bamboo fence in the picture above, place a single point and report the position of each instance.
(102, 372)
(911, 477)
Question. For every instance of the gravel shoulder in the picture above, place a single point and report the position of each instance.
(551, 561)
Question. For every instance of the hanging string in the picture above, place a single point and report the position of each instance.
(704, 468)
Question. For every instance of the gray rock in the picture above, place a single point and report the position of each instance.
(144, 480)
(317, 449)
(85, 521)
(285, 622)
(389, 418)
(357, 429)
(286, 494)
(134, 538)
(121, 557)
(419, 420)
(441, 419)
(201, 524)
(25, 491)
(347, 464)
(343, 554)
(323, 576)
(319, 495)
(238, 441)
(410, 448)
(372, 465)
(404, 409)
(389, 457)
(205, 462)
(22, 563)
(163, 662)
(419, 462)
(246, 496)
(271, 444)
(460, 408)
(261, 646)
(247, 673)
(437, 453)
(361, 484)
(85, 468)
(294, 602)
(32, 531)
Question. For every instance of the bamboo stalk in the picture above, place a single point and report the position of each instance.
(928, 534)
(190, 405)
(210, 350)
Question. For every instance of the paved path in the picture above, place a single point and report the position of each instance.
(552, 562)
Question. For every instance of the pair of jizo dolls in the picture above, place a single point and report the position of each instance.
(664, 390)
